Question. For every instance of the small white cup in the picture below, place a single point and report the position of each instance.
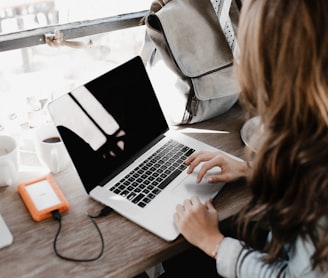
(50, 149)
(8, 160)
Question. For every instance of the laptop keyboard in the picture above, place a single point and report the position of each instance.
(148, 179)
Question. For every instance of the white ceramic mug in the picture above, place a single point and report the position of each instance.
(8, 160)
(50, 149)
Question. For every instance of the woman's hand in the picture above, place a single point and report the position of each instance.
(231, 168)
(198, 223)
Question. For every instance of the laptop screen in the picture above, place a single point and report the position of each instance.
(108, 121)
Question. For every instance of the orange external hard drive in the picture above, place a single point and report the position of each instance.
(42, 196)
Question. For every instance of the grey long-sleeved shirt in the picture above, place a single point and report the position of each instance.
(235, 261)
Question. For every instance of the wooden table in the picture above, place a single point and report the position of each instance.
(129, 249)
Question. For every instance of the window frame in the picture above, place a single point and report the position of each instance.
(70, 31)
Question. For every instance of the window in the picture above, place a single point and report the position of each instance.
(100, 34)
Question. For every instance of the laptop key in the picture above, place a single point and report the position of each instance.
(131, 196)
(188, 153)
(169, 179)
(138, 198)
(124, 193)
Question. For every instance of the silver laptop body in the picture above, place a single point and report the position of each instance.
(109, 126)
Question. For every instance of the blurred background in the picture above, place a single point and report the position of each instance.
(32, 76)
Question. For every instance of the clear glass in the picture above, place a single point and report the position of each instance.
(33, 76)
(17, 15)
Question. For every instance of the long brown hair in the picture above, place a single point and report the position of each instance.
(283, 74)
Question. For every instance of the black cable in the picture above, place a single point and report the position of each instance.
(57, 216)
(105, 211)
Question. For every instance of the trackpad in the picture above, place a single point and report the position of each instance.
(205, 190)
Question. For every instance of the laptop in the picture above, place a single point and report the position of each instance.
(118, 139)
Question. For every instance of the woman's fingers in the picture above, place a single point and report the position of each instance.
(196, 158)
(229, 168)
(214, 162)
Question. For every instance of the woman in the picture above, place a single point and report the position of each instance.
(283, 73)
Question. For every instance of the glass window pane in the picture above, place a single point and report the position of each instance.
(35, 75)
(17, 15)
